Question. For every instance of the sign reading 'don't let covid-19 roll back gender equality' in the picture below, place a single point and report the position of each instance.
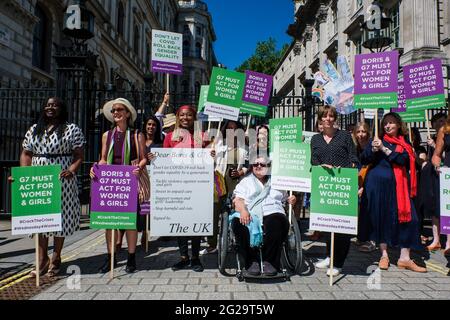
(334, 200)
(376, 76)
(114, 194)
(167, 52)
(444, 179)
(424, 85)
(225, 94)
(36, 200)
(182, 192)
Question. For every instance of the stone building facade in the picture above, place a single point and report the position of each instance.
(30, 30)
(324, 29)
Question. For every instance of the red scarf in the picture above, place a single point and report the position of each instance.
(401, 178)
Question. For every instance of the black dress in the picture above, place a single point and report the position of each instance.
(379, 215)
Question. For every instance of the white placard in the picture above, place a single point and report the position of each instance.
(221, 111)
(182, 192)
(167, 52)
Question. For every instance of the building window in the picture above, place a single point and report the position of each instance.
(148, 56)
(199, 31)
(41, 43)
(136, 40)
(120, 19)
(335, 21)
(198, 50)
(358, 45)
(395, 25)
(186, 48)
(186, 29)
(359, 4)
(197, 88)
(185, 86)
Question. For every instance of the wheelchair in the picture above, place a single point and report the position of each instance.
(230, 259)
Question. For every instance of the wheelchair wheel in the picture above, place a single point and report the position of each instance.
(292, 248)
(223, 243)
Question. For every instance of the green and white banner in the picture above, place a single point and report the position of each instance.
(225, 94)
(285, 130)
(291, 167)
(36, 200)
(334, 200)
(413, 116)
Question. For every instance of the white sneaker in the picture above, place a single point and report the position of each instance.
(336, 272)
(323, 264)
(208, 251)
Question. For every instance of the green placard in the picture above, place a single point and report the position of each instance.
(36, 199)
(202, 98)
(285, 130)
(376, 100)
(226, 87)
(291, 167)
(334, 200)
(36, 190)
(424, 103)
(113, 220)
(413, 116)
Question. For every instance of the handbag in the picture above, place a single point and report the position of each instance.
(144, 178)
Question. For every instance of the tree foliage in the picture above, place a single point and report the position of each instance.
(265, 58)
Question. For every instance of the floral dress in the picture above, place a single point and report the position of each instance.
(49, 150)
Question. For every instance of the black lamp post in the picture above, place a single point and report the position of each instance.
(375, 41)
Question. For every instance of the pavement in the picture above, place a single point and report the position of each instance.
(154, 280)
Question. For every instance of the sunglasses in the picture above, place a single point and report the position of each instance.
(117, 110)
(262, 165)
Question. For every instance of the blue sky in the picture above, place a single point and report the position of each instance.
(240, 24)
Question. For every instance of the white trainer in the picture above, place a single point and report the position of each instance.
(336, 271)
(208, 251)
(323, 264)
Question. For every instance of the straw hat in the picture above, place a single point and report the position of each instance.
(108, 106)
(169, 120)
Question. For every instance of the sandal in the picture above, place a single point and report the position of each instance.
(55, 268)
(43, 270)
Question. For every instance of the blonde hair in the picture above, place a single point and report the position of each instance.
(355, 130)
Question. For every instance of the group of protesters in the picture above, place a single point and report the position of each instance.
(398, 181)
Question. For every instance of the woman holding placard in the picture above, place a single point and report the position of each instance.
(49, 142)
(122, 146)
(185, 136)
(333, 148)
(442, 145)
(257, 203)
(389, 216)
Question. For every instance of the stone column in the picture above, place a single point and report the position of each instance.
(419, 31)
(321, 19)
(309, 48)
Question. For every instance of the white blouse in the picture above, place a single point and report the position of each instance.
(273, 202)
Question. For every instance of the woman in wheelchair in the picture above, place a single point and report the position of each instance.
(259, 207)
